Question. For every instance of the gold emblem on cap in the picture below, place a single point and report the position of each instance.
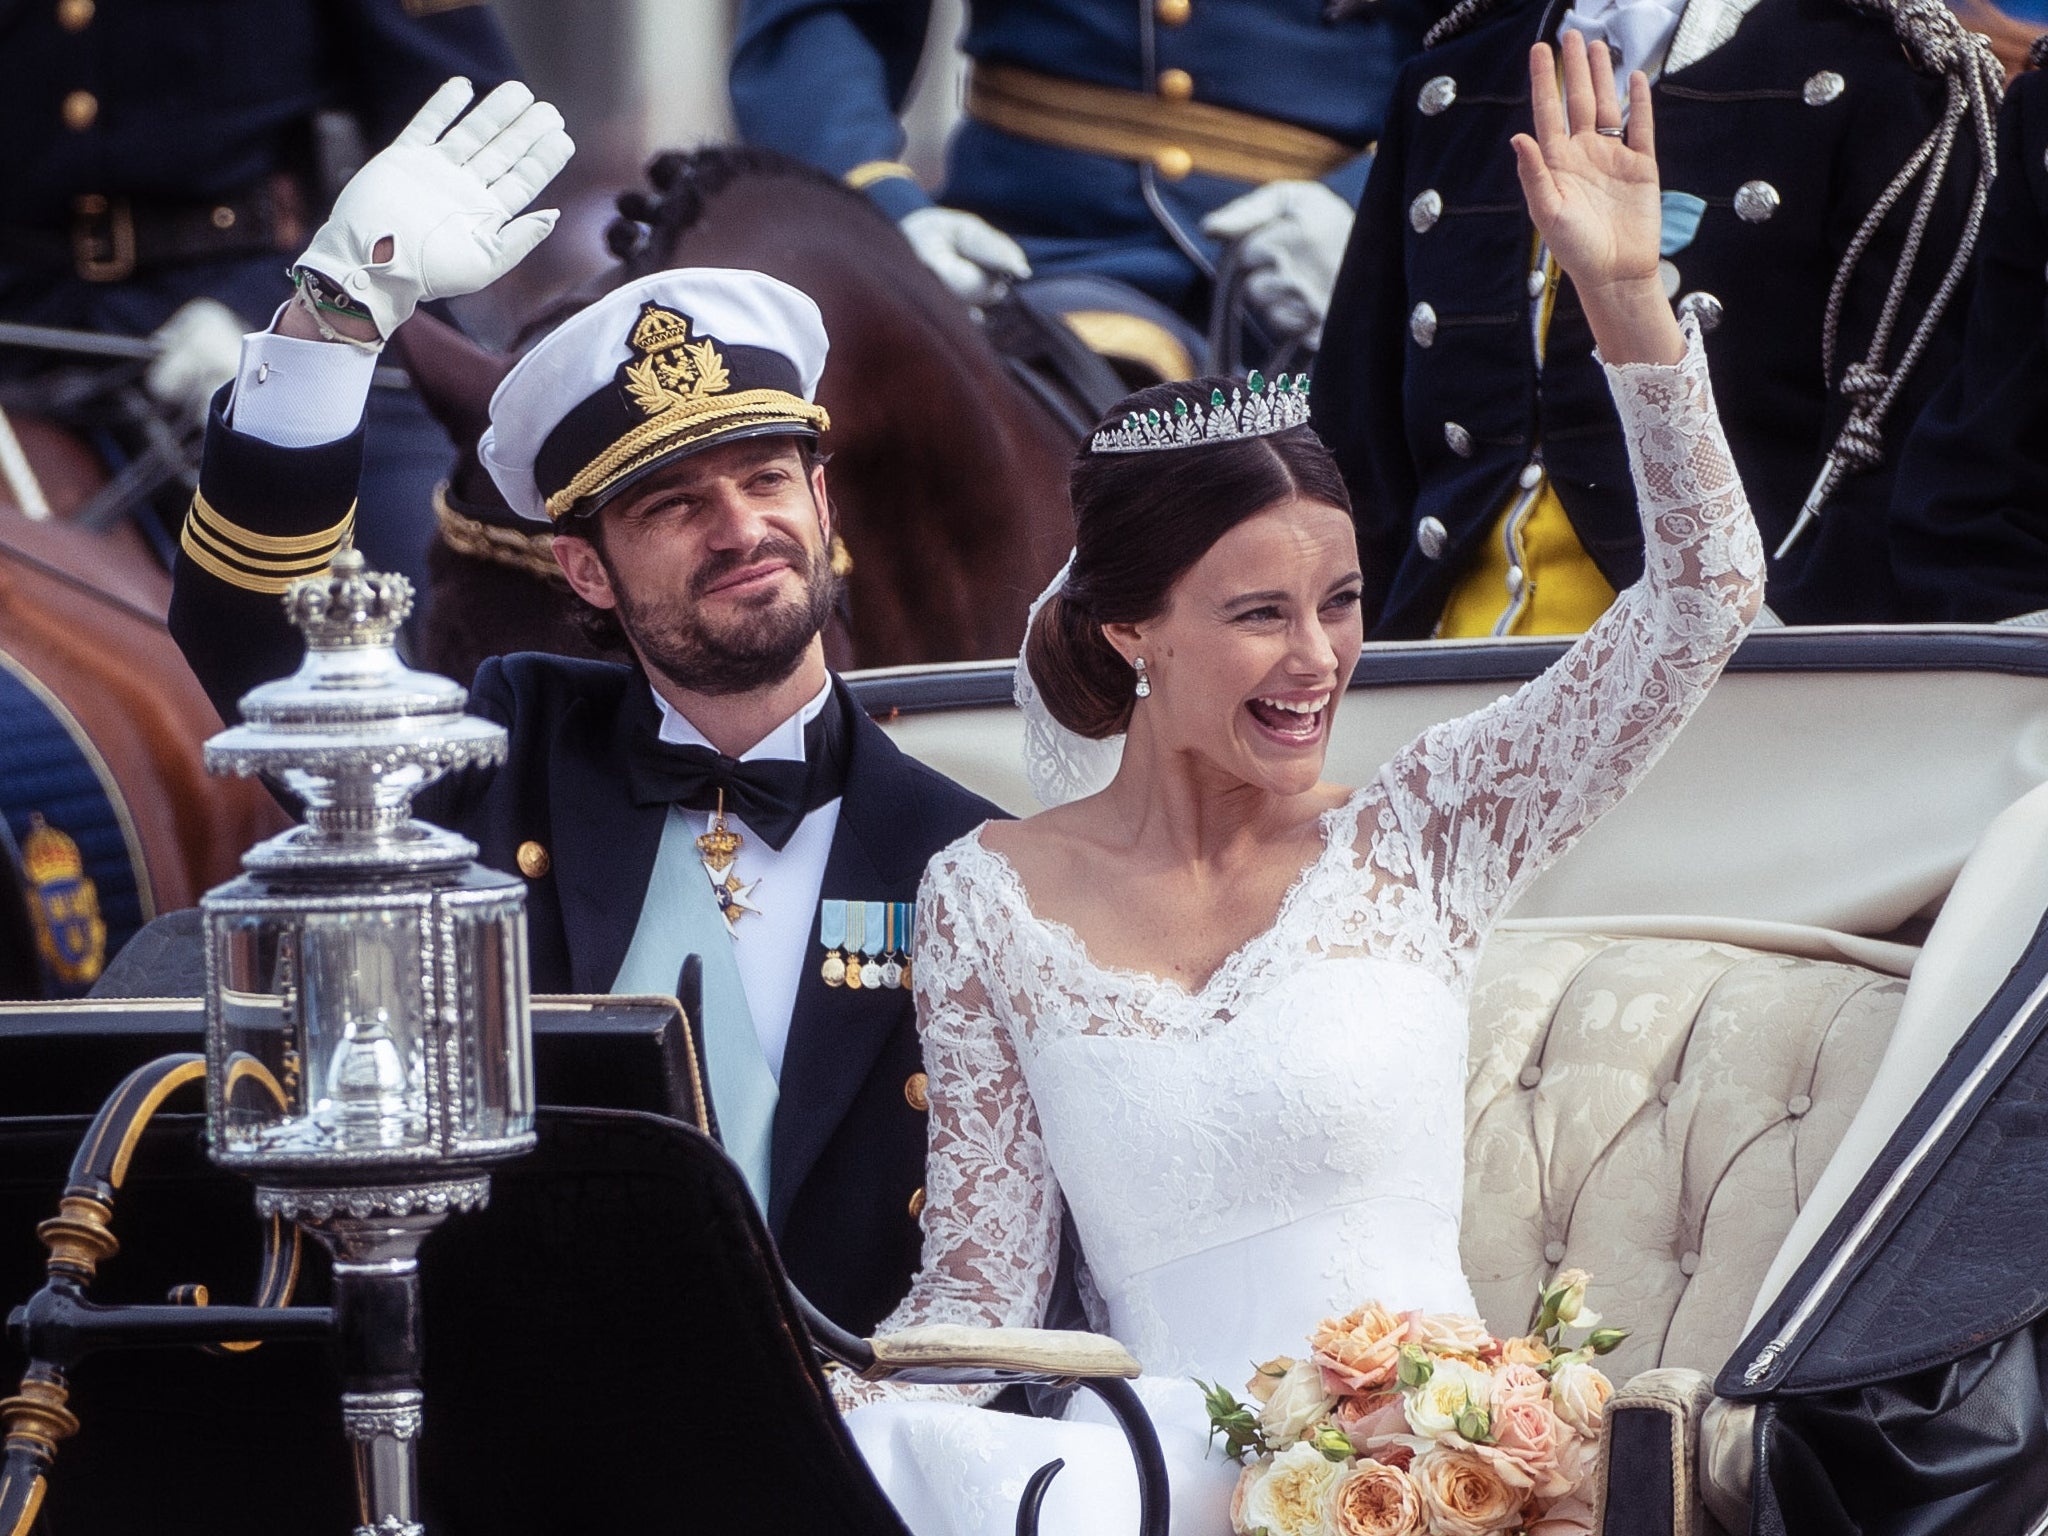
(673, 370)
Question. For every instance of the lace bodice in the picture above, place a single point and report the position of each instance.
(1261, 1098)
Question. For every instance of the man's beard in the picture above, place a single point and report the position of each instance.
(759, 647)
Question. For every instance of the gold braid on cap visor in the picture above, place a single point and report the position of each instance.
(678, 428)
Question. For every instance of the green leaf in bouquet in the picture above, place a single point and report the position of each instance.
(1414, 1368)
(1329, 1439)
(1233, 1423)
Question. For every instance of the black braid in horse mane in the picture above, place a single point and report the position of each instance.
(681, 183)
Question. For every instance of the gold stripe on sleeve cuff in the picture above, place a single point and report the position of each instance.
(268, 543)
(226, 558)
(865, 175)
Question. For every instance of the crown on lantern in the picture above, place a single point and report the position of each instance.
(1257, 410)
(348, 606)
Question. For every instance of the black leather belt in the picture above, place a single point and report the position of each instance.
(110, 239)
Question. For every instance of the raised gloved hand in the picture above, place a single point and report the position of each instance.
(436, 214)
(1289, 238)
(197, 350)
(973, 258)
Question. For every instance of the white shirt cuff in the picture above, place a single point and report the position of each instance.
(299, 394)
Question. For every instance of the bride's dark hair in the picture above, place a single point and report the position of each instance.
(1140, 521)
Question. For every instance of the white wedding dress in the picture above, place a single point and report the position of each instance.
(1287, 1142)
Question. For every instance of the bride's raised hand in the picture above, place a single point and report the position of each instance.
(1592, 194)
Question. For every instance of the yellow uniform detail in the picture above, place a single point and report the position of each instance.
(1531, 575)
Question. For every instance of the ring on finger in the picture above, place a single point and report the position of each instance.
(1610, 133)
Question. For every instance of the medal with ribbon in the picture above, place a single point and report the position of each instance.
(832, 934)
(719, 847)
(856, 935)
(875, 931)
(892, 969)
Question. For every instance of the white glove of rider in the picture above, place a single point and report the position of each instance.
(446, 198)
(197, 351)
(973, 258)
(1289, 238)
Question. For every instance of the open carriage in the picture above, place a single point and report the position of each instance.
(1700, 1068)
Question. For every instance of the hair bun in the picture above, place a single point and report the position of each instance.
(1086, 685)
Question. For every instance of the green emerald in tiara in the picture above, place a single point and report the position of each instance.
(1263, 406)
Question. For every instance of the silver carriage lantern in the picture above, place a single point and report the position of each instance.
(379, 973)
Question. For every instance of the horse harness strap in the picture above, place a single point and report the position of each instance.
(1174, 137)
(108, 239)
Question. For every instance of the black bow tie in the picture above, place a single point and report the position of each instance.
(771, 795)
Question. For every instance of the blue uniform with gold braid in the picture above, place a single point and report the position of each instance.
(1778, 127)
(1098, 133)
(162, 150)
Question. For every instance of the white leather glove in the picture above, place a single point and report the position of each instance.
(1289, 238)
(446, 198)
(973, 258)
(198, 350)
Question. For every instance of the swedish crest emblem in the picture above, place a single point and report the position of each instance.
(63, 905)
(673, 372)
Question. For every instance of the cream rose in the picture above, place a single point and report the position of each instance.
(1579, 1392)
(1528, 1350)
(1293, 1498)
(1266, 1377)
(1462, 1495)
(1447, 1333)
(1358, 1352)
(1297, 1405)
(1454, 1391)
(1376, 1500)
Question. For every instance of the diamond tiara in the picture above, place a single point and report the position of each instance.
(1257, 410)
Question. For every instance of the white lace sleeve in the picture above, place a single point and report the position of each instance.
(1487, 801)
(991, 1215)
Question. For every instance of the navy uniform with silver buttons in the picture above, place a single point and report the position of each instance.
(1098, 133)
(1970, 511)
(162, 150)
(1779, 124)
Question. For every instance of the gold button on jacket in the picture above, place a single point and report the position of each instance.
(917, 1092)
(533, 860)
(75, 15)
(917, 1203)
(81, 108)
(1176, 84)
(1173, 13)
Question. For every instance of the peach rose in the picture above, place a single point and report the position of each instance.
(1359, 1351)
(1579, 1392)
(1376, 1500)
(1568, 1516)
(1247, 1480)
(1293, 1498)
(1528, 1350)
(1527, 1431)
(1462, 1495)
(1447, 1333)
(1514, 1382)
(1369, 1417)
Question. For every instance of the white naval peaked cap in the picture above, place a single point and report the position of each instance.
(666, 366)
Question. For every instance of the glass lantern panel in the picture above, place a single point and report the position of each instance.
(497, 1087)
(364, 1011)
(253, 962)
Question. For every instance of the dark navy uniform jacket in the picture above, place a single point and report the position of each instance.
(1970, 508)
(1758, 108)
(822, 80)
(849, 1144)
(182, 101)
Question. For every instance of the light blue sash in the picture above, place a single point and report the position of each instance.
(680, 917)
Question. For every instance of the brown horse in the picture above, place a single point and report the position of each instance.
(948, 478)
(84, 648)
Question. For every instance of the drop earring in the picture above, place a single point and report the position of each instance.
(1144, 688)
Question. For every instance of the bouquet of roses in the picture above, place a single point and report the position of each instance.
(1419, 1424)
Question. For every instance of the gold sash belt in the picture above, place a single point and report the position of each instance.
(1176, 137)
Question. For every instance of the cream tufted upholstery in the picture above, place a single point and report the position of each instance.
(1654, 1110)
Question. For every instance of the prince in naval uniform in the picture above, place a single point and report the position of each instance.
(723, 797)
(1458, 387)
(1108, 138)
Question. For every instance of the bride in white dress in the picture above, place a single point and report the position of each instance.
(1220, 1006)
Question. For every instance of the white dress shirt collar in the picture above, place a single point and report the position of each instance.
(784, 743)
